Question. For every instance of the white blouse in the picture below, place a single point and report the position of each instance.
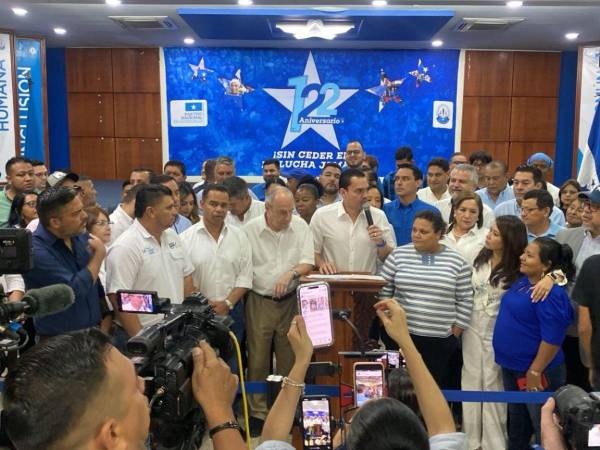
(485, 296)
(468, 245)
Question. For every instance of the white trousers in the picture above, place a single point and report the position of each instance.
(484, 423)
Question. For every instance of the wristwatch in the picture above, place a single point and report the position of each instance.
(229, 304)
(558, 277)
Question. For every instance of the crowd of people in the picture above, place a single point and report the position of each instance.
(491, 273)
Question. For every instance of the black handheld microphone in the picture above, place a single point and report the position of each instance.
(39, 302)
(367, 210)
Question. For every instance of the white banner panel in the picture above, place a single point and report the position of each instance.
(7, 112)
(589, 144)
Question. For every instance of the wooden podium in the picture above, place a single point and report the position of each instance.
(357, 295)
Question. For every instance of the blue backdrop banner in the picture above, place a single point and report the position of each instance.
(304, 106)
(30, 98)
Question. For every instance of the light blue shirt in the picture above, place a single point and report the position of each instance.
(512, 208)
(505, 195)
(551, 232)
(181, 224)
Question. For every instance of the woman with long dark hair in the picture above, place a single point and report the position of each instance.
(568, 192)
(23, 209)
(528, 335)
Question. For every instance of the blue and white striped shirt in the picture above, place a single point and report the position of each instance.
(434, 289)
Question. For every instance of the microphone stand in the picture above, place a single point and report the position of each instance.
(344, 315)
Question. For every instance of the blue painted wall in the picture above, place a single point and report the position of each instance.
(565, 123)
(58, 123)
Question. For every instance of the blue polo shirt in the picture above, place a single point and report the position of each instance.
(259, 191)
(522, 325)
(54, 262)
(551, 232)
(402, 217)
(504, 196)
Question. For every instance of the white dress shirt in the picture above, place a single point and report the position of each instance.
(346, 243)
(257, 208)
(120, 222)
(274, 253)
(554, 191)
(468, 245)
(221, 265)
(426, 194)
(445, 206)
(136, 261)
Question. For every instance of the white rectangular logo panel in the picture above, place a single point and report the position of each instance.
(189, 113)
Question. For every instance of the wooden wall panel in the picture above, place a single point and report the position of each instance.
(91, 114)
(93, 156)
(536, 74)
(135, 70)
(89, 70)
(132, 153)
(488, 73)
(521, 151)
(137, 115)
(486, 118)
(498, 150)
(533, 119)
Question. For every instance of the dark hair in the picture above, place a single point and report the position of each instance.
(534, 171)
(460, 198)
(380, 194)
(400, 387)
(372, 162)
(175, 163)
(386, 424)
(557, 256)
(348, 174)
(514, 240)
(480, 155)
(52, 200)
(64, 374)
(433, 217)
(214, 187)
(131, 193)
(498, 164)
(311, 182)
(570, 182)
(161, 179)
(16, 208)
(415, 170)
(273, 161)
(236, 186)
(144, 169)
(442, 163)
(543, 199)
(332, 164)
(92, 216)
(277, 181)
(149, 195)
(404, 153)
(209, 168)
(15, 160)
(125, 184)
(37, 163)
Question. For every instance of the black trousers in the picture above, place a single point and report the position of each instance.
(437, 354)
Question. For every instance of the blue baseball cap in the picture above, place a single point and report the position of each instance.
(295, 173)
(594, 195)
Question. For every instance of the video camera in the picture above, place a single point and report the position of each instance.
(578, 412)
(162, 355)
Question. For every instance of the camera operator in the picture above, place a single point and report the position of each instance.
(64, 253)
(149, 255)
(76, 391)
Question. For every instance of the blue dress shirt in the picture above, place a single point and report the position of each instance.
(402, 217)
(512, 208)
(259, 191)
(54, 262)
(505, 195)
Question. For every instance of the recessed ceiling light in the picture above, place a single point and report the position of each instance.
(379, 3)
(245, 2)
(113, 2)
(59, 30)
(437, 43)
(572, 36)
(20, 11)
(514, 4)
(189, 40)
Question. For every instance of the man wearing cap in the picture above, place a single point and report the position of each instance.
(20, 178)
(60, 178)
(544, 163)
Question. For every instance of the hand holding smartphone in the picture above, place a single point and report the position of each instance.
(316, 423)
(369, 382)
(314, 303)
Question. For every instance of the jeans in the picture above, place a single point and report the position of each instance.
(524, 419)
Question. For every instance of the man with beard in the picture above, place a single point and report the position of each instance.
(330, 179)
(271, 170)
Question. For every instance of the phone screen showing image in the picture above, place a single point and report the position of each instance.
(594, 437)
(315, 307)
(136, 302)
(368, 382)
(316, 424)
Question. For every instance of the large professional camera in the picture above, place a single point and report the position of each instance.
(162, 354)
(578, 412)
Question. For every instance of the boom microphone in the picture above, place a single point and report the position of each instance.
(367, 210)
(39, 302)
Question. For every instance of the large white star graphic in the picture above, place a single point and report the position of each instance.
(287, 96)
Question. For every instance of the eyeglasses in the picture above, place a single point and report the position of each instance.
(31, 204)
(103, 223)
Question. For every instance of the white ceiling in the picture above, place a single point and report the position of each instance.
(88, 25)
